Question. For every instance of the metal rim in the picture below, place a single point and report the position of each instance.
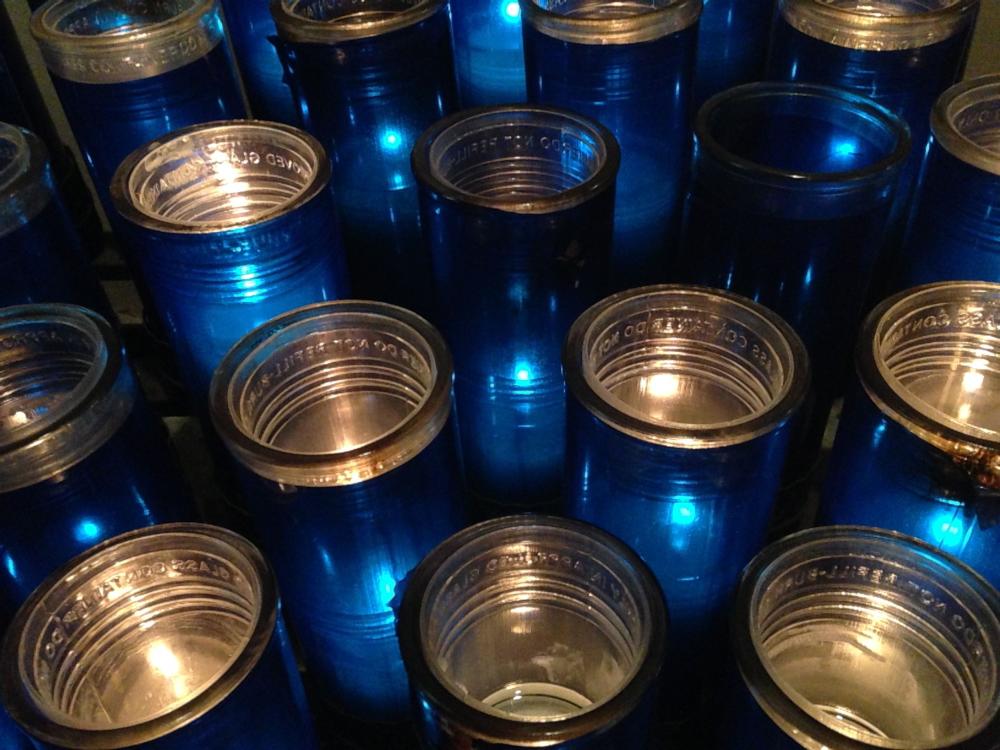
(950, 105)
(293, 27)
(654, 23)
(489, 727)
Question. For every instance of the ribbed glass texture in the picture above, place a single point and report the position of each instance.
(789, 205)
(533, 631)
(918, 449)
(517, 208)
(340, 417)
(41, 256)
(954, 228)
(679, 396)
(855, 638)
(369, 82)
(252, 31)
(489, 54)
(127, 73)
(637, 82)
(81, 457)
(732, 45)
(167, 638)
(232, 224)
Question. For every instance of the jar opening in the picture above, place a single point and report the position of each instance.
(15, 156)
(351, 12)
(139, 629)
(223, 176)
(536, 623)
(601, 9)
(938, 348)
(110, 18)
(979, 120)
(514, 156)
(879, 640)
(891, 8)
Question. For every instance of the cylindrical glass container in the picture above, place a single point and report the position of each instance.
(918, 449)
(340, 416)
(41, 257)
(789, 205)
(251, 28)
(168, 638)
(81, 457)
(489, 53)
(232, 224)
(955, 224)
(679, 395)
(628, 66)
(533, 631)
(517, 206)
(732, 45)
(129, 71)
(369, 80)
(853, 638)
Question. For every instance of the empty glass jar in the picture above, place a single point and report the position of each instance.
(918, 449)
(533, 631)
(340, 417)
(167, 638)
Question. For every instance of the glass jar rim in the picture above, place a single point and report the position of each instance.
(334, 468)
(121, 183)
(38, 723)
(73, 430)
(883, 170)
(767, 689)
(651, 24)
(892, 397)
(603, 178)
(952, 103)
(296, 28)
(858, 29)
(494, 728)
(24, 191)
(585, 388)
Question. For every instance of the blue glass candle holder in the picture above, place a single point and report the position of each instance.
(369, 81)
(517, 206)
(679, 394)
(954, 229)
(853, 638)
(340, 417)
(533, 631)
(41, 257)
(232, 224)
(81, 457)
(168, 638)
(254, 36)
(631, 70)
(918, 449)
(127, 73)
(732, 45)
(489, 52)
(789, 204)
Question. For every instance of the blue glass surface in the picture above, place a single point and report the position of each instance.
(128, 483)
(694, 518)
(882, 475)
(367, 100)
(804, 247)
(252, 31)
(11, 107)
(111, 120)
(732, 45)
(11, 737)
(489, 58)
(341, 552)
(641, 91)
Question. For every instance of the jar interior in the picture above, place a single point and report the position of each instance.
(350, 11)
(535, 624)
(43, 365)
(884, 646)
(601, 9)
(113, 17)
(979, 121)
(225, 176)
(517, 155)
(333, 383)
(940, 351)
(890, 8)
(690, 359)
(139, 630)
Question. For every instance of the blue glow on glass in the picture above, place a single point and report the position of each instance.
(683, 513)
(522, 372)
(511, 11)
(391, 140)
(844, 149)
(10, 565)
(87, 531)
(878, 435)
(947, 529)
